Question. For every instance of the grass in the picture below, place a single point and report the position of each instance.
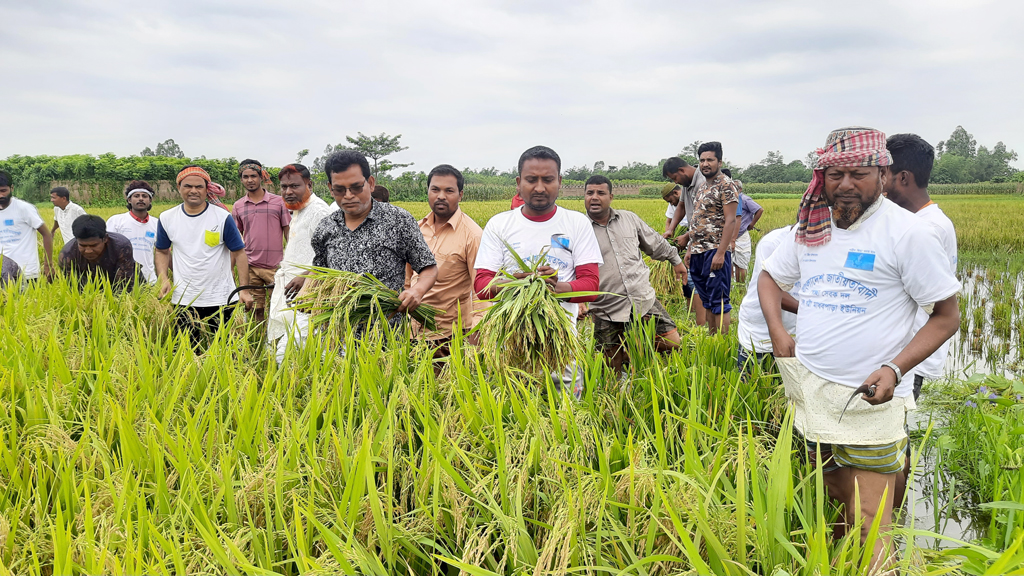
(125, 452)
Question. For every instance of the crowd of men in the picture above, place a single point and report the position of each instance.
(857, 298)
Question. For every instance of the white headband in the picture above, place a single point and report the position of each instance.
(129, 193)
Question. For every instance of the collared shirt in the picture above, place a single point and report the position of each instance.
(708, 220)
(688, 194)
(262, 226)
(624, 273)
(749, 208)
(382, 245)
(65, 217)
(116, 264)
(454, 246)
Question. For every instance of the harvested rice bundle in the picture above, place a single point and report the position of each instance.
(353, 298)
(663, 279)
(525, 326)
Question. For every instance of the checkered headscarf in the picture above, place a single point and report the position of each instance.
(844, 147)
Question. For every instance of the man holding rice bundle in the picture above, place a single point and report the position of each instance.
(540, 228)
(262, 220)
(307, 211)
(366, 236)
(865, 266)
(622, 236)
(688, 180)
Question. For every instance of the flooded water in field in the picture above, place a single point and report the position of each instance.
(990, 341)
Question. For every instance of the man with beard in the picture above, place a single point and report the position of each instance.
(262, 219)
(366, 236)
(864, 269)
(453, 238)
(97, 253)
(307, 211)
(540, 227)
(712, 228)
(138, 226)
(625, 278)
(19, 221)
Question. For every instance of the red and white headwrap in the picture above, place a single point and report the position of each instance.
(845, 147)
(214, 191)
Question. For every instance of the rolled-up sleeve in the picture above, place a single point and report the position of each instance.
(654, 245)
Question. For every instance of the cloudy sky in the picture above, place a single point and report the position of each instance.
(475, 82)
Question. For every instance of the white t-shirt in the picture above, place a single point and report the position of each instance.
(201, 247)
(142, 236)
(65, 218)
(859, 293)
(671, 211)
(18, 225)
(569, 234)
(933, 366)
(334, 206)
(753, 330)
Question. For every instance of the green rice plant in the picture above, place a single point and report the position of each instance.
(357, 299)
(526, 326)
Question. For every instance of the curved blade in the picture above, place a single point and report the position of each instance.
(862, 389)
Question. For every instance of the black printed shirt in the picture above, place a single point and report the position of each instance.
(382, 245)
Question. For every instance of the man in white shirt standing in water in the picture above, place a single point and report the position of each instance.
(865, 266)
(538, 226)
(907, 186)
(19, 221)
(138, 226)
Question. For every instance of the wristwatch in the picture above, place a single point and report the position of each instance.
(896, 369)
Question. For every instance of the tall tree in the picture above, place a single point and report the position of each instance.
(302, 154)
(378, 148)
(691, 149)
(169, 149)
(960, 143)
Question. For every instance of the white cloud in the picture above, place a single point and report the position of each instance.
(475, 83)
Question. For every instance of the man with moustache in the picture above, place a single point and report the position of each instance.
(202, 240)
(307, 211)
(262, 219)
(369, 236)
(138, 226)
(454, 239)
(712, 228)
(689, 180)
(623, 236)
(865, 266)
(19, 223)
(539, 226)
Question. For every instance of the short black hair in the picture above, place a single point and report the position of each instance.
(540, 153)
(912, 153)
(5, 179)
(343, 160)
(598, 179)
(61, 192)
(248, 161)
(89, 226)
(447, 170)
(715, 147)
(139, 185)
(672, 165)
(295, 168)
(380, 193)
(727, 172)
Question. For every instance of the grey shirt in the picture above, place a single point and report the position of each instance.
(688, 193)
(623, 242)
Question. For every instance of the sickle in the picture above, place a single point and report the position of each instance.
(863, 389)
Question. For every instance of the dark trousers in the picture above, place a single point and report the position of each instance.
(197, 319)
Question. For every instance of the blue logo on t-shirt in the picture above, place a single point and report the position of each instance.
(560, 241)
(860, 261)
(149, 234)
(9, 222)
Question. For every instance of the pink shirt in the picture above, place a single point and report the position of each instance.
(262, 226)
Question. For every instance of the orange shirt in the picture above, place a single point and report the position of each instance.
(454, 245)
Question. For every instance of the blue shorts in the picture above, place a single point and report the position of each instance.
(713, 287)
